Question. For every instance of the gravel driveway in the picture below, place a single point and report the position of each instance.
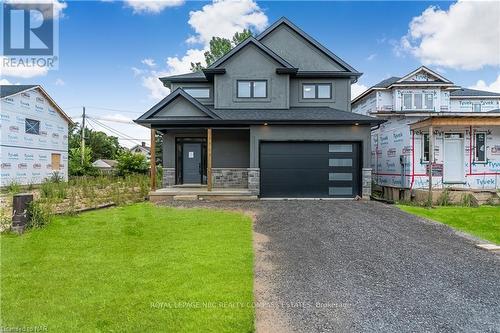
(346, 266)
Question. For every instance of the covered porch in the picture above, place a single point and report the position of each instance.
(206, 162)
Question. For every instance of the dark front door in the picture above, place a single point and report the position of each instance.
(191, 163)
(310, 169)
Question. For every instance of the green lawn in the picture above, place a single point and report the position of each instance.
(483, 222)
(138, 268)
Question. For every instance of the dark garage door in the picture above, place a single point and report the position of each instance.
(309, 169)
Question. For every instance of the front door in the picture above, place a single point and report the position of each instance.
(191, 163)
(453, 168)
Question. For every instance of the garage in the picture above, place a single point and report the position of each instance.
(310, 169)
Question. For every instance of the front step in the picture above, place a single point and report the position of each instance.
(486, 198)
(188, 197)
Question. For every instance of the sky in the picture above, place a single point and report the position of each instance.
(111, 53)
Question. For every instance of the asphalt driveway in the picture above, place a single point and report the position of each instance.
(345, 266)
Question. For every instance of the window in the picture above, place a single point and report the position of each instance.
(476, 107)
(480, 148)
(425, 148)
(317, 91)
(252, 89)
(198, 92)
(429, 101)
(407, 102)
(418, 101)
(32, 126)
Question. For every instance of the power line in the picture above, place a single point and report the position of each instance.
(115, 131)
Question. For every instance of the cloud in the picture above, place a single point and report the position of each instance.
(55, 11)
(60, 82)
(222, 18)
(493, 86)
(151, 6)
(21, 71)
(466, 36)
(357, 89)
(371, 57)
(148, 62)
(6, 82)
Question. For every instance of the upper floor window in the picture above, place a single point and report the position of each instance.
(252, 89)
(32, 126)
(429, 101)
(317, 91)
(476, 107)
(198, 92)
(407, 101)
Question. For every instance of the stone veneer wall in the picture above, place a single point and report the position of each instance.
(168, 177)
(254, 180)
(367, 183)
(230, 177)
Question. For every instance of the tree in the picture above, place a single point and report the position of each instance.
(102, 146)
(129, 163)
(77, 167)
(220, 46)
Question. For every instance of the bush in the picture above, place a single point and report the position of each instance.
(14, 187)
(130, 163)
(77, 167)
(53, 190)
(38, 215)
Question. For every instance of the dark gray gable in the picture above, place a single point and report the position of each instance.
(296, 46)
(8, 90)
(251, 41)
(178, 104)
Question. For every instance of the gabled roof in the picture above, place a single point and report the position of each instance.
(171, 97)
(428, 71)
(464, 92)
(242, 45)
(311, 40)
(10, 90)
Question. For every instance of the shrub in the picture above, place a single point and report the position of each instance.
(77, 167)
(444, 199)
(467, 200)
(53, 190)
(129, 163)
(38, 215)
(14, 187)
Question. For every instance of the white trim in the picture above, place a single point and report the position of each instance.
(423, 68)
(460, 165)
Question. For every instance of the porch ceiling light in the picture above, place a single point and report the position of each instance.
(356, 124)
(265, 124)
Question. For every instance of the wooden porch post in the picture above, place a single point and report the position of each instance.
(431, 161)
(153, 159)
(209, 159)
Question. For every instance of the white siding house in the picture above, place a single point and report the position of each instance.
(464, 125)
(34, 135)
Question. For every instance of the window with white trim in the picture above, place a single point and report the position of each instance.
(476, 107)
(407, 102)
(480, 147)
(425, 148)
(429, 101)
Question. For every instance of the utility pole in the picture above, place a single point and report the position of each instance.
(82, 146)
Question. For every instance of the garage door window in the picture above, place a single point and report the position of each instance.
(340, 191)
(340, 176)
(340, 148)
(341, 162)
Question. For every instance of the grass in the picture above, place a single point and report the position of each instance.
(136, 268)
(483, 222)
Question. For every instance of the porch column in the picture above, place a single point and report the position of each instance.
(431, 161)
(209, 159)
(153, 159)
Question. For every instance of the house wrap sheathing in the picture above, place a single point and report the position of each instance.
(465, 126)
(34, 136)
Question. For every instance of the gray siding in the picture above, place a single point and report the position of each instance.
(206, 101)
(341, 94)
(180, 107)
(231, 149)
(251, 63)
(310, 133)
(299, 52)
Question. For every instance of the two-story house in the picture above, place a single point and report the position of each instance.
(272, 116)
(33, 136)
(429, 118)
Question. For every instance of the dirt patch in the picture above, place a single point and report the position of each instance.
(268, 317)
